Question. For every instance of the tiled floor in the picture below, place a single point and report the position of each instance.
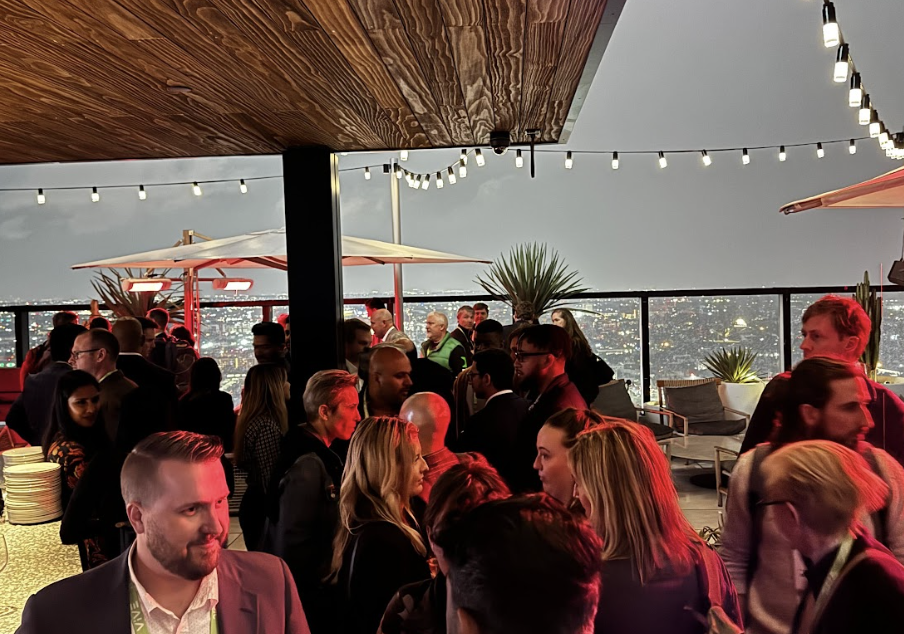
(36, 557)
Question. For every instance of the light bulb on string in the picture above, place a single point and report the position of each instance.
(707, 161)
(196, 189)
(856, 93)
(451, 174)
(519, 160)
(663, 163)
(782, 155)
(831, 34)
(95, 197)
(425, 184)
(745, 157)
(842, 64)
(875, 124)
(403, 155)
(463, 167)
(142, 195)
(478, 158)
(866, 110)
(439, 180)
(852, 148)
(41, 198)
(819, 151)
(883, 137)
(569, 161)
(615, 160)
(367, 173)
(397, 170)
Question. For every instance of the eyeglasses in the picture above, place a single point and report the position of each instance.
(520, 356)
(76, 353)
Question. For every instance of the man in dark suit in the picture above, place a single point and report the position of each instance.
(540, 357)
(30, 414)
(177, 571)
(158, 383)
(493, 430)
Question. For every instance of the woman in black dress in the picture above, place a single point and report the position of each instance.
(378, 548)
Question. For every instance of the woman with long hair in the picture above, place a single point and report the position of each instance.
(585, 369)
(651, 554)
(205, 408)
(261, 425)
(423, 607)
(74, 438)
(554, 439)
(378, 548)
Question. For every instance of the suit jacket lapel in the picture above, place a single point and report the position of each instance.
(237, 610)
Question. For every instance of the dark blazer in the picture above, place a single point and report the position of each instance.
(463, 337)
(493, 431)
(30, 414)
(152, 378)
(209, 413)
(257, 594)
(113, 389)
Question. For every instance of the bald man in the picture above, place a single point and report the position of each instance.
(388, 382)
(430, 413)
(386, 332)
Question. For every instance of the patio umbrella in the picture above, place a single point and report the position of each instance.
(267, 249)
(883, 191)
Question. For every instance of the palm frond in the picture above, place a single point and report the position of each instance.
(108, 286)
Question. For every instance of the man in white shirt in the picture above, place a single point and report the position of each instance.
(176, 577)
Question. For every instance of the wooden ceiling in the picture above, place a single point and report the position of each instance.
(102, 79)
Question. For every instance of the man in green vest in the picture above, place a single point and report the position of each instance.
(440, 347)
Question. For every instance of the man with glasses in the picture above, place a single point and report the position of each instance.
(540, 357)
(826, 399)
(96, 352)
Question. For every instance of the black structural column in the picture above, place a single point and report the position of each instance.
(314, 258)
(645, 348)
(22, 343)
(787, 338)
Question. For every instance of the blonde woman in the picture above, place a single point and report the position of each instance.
(819, 490)
(262, 423)
(651, 555)
(377, 548)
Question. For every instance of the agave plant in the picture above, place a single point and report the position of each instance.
(734, 365)
(109, 287)
(872, 304)
(531, 273)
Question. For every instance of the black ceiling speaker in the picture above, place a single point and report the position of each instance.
(896, 275)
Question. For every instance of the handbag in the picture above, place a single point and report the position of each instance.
(717, 620)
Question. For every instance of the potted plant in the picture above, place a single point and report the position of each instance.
(109, 287)
(531, 273)
(741, 385)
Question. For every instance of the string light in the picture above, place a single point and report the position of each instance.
(864, 115)
(425, 183)
(403, 155)
(663, 163)
(615, 160)
(831, 35)
(451, 173)
(439, 180)
(842, 63)
(463, 167)
(875, 125)
(782, 155)
(819, 151)
(243, 188)
(367, 173)
(398, 171)
(142, 195)
(519, 160)
(852, 148)
(95, 197)
(478, 158)
(883, 137)
(196, 189)
(707, 161)
(745, 157)
(856, 93)
(41, 198)
(569, 161)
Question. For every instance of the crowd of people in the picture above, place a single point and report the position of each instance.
(463, 485)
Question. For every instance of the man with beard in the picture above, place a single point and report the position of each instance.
(825, 400)
(177, 576)
(540, 356)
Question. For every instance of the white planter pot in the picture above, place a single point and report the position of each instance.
(741, 396)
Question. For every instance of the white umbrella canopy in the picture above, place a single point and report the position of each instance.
(883, 191)
(267, 249)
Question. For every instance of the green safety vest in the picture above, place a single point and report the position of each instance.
(442, 352)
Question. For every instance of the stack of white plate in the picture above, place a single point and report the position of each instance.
(20, 455)
(33, 493)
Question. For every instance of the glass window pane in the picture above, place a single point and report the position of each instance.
(7, 339)
(416, 315)
(41, 323)
(683, 330)
(891, 346)
(226, 336)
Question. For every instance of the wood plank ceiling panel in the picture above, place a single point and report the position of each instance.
(94, 79)
(577, 37)
(464, 22)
